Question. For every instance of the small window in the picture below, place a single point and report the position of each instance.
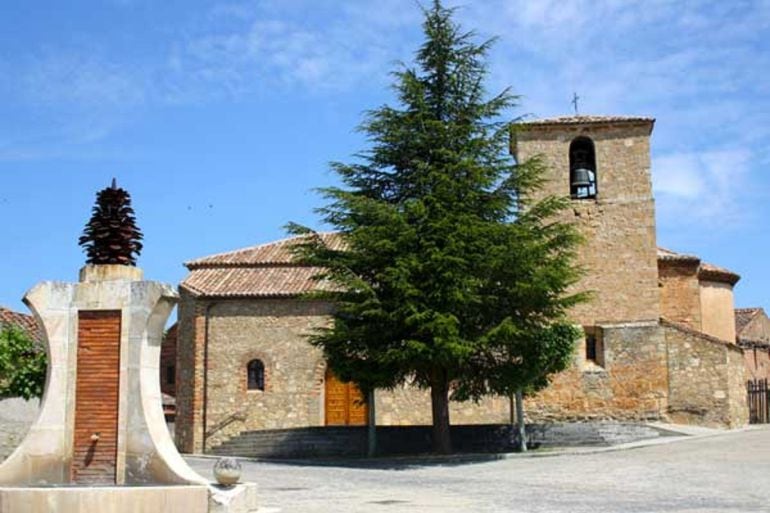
(594, 345)
(582, 168)
(256, 375)
(170, 374)
(591, 348)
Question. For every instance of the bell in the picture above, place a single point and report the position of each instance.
(581, 177)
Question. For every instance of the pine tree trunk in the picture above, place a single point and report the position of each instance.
(371, 437)
(520, 420)
(439, 396)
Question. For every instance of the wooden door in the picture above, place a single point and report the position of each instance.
(95, 442)
(345, 404)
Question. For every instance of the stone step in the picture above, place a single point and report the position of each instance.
(342, 441)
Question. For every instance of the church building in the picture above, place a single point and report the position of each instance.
(659, 344)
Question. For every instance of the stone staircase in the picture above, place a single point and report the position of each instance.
(311, 442)
(350, 441)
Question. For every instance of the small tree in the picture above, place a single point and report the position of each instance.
(111, 235)
(448, 270)
(22, 365)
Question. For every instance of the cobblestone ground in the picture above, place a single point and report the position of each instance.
(724, 473)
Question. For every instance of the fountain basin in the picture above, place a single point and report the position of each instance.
(127, 499)
(105, 499)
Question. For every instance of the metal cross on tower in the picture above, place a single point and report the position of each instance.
(574, 102)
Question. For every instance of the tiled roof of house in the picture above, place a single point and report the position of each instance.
(586, 120)
(711, 272)
(283, 281)
(271, 253)
(269, 270)
(672, 256)
(25, 322)
(706, 271)
(265, 270)
(743, 316)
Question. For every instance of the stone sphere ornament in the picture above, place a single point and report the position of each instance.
(227, 471)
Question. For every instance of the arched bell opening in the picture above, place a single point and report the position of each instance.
(582, 168)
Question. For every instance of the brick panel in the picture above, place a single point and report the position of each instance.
(96, 398)
(168, 367)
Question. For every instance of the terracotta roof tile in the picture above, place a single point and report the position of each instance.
(278, 281)
(711, 272)
(743, 316)
(265, 270)
(272, 253)
(25, 322)
(586, 120)
(268, 270)
(706, 271)
(668, 255)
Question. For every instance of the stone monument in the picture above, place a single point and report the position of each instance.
(101, 443)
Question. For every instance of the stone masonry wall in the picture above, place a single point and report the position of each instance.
(736, 387)
(620, 253)
(680, 293)
(632, 384)
(275, 332)
(407, 405)
(706, 379)
(188, 429)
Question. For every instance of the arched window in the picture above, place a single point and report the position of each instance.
(582, 168)
(256, 375)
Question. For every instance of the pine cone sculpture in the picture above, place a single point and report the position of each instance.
(111, 236)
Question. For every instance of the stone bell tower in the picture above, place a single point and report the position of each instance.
(603, 164)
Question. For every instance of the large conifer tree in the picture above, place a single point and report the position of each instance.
(450, 275)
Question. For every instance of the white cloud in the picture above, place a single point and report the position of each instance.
(81, 78)
(250, 47)
(702, 187)
(679, 175)
(696, 67)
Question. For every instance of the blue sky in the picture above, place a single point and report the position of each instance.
(220, 117)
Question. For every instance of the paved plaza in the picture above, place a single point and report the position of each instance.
(724, 473)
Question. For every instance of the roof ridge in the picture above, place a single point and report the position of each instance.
(266, 253)
(670, 254)
(692, 331)
(247, 248)
(711, 272)
(584, 119)
(203, 261)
